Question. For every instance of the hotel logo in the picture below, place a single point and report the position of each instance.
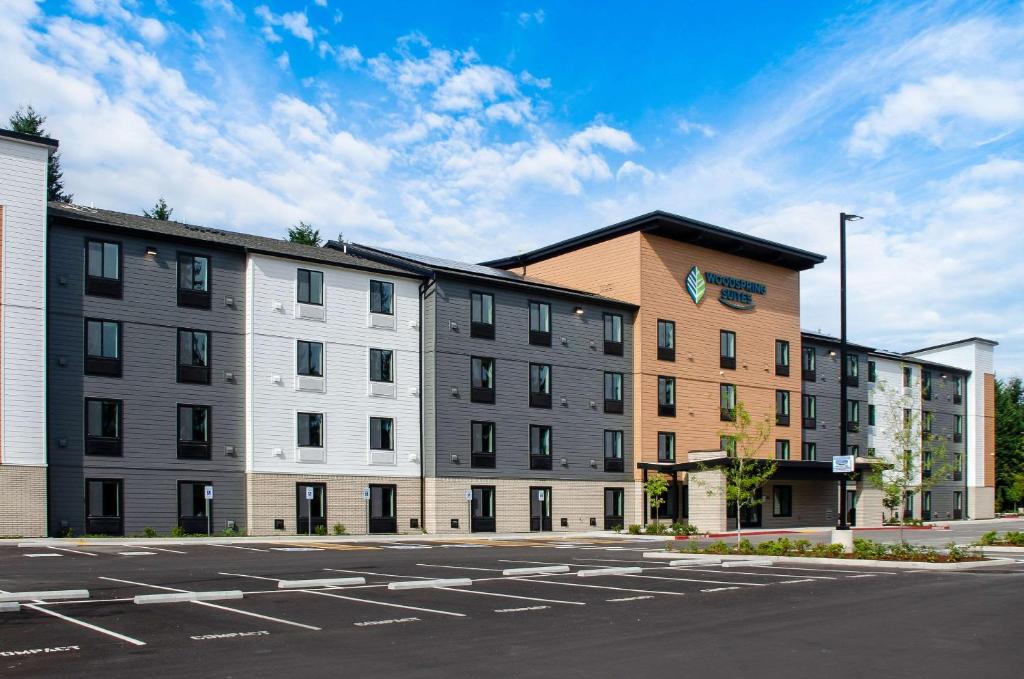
(695, 285)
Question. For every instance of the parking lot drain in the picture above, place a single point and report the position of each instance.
(320, 582)
(624, 570)
(421, 584)
(538, 570)
(46, 596)
(179, 597)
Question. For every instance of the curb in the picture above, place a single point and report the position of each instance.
(825, 561)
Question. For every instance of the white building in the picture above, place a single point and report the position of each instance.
(333, 406)
(23, 164)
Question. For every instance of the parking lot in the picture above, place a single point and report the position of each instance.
(590, 619)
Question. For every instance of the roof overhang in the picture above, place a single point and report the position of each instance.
(786, 470)
(682, 229)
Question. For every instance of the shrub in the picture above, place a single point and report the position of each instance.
(68, 532)
(634, 529)
(320, 530)
(717, 548)
(1015, 538)
(178, 532)
(988, 538)
(231, 531)
(339, 529)
(617, 528)
(149, 532)
(780, 547)
(956, 553)
(744, 546)
(656, 529)
(802, 546)
(683, 528)
(868, 549)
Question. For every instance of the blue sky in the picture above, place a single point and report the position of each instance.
(474, 130)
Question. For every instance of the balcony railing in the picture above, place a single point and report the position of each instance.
(540, 338)
(782, 420)
(728, 415)
(809, 375)
(728, 362)
(482, 330)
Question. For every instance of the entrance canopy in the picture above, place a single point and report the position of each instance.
(786, 470)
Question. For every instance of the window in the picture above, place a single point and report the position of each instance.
(482, 370)
(102, 427)
(853, 415)
(926, 385)
(613, 334)
(810, 411)
(958, 504)
(540, 447)
(727, 402)
(194, 356)
(481, 315)
(926, 505)
(540, 324)
(810, 364)
(872, 372)
(613, 393)
(782, 500)
(482, 454)
(927, 420)
(613, 461)
(782, 449)
(809, 452)
(727, 349)
(666, 446)
(194, 432)
(540, 385)
(958, 428)
(782, 408)
(382, 433)
(309, 358)
(871, 452)
(614, 503)
(666, 340)
(103, 268)
(852, 370)
(853, 450)
(382, 298)
(667, 396)
(871, 415)
(926, 463)
(309, 429)
(958, 389)
(782, 358)
(192, 507)
(193, 281)
(102, 348)
(908, 505)
(381, 367)
(728, 444)
(103, 507)
(908, 418)
(907, 376)
(310, 288)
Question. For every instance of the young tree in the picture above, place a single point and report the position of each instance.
(656, 487)
(160, 210)
(1013, 493)
(747, 473)
(904, 468)
(304, 233)
(27, 121)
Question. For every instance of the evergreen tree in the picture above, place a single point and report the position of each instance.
(304, 233)
(27, 121)
(1009, 441)
(160, 210)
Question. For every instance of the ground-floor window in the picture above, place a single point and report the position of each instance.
(926, 506)
(782, 501)
(483, 517)
(103, 505)
(908, 506)
(958, 504)
(614, 511)
(195, 512)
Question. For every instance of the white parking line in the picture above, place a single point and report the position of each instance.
(137, 553)
(513, 596)
(629, 598)
(763, 575)
(522, 609)
(164, 549)
(43, 554)
(213, 605)
(73, 551)
(320, 592)
(461, 568)
(383, 575)
(533, 578)
(250, 549)
(710, 582)
(254, 577)
(38, 606)
(719, 589)
(426, 584)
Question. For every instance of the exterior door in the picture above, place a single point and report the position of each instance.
(192, 516)
(669, 510)
(383, 501)
(851, 507)
(614, 515)
(958, 504)
(103, 505)
(751, 516)
(315, 509)
(926, 506)
(483, 518)
(540, 509)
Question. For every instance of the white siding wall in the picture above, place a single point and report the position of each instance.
(890, 397)
(274, 329)
(979, 358)
(23, 197)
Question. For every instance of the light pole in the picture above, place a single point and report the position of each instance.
(843, 218)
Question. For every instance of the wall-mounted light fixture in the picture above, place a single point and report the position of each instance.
(578, 311)
(150, 251)
(832, 353)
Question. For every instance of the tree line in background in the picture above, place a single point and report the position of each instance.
(1010, 443)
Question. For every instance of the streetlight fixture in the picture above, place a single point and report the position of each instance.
(843, 218)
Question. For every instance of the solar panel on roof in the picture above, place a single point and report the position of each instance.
(443, 263)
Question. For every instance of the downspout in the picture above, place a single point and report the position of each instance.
(967, 443)
(423, 514)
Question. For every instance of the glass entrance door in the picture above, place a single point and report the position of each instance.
(383, 500)
(540, 509)
(750, 517)
(483, 518)
(305, 508)
(103, 507)
(192, 506)
(851, 507)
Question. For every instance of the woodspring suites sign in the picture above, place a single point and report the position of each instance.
(736, 293)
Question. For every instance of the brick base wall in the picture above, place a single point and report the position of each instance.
(576, 501)
(22, 501)
(272, 496)
(981, 502)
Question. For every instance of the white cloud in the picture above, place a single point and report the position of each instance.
(688, 127)
(348, 55)
(296, 23)
(152, 30)
(603, 135)
(630, 170)
(471, 87)
(283, 61)
(528, 78)
(320, 3)
(949, 108)
(525, 18)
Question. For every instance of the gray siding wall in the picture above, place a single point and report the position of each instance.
(941, 404)
(578, 367)
(826, 390)
(148, 387)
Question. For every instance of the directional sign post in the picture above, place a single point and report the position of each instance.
(208, 494)
(309, 509)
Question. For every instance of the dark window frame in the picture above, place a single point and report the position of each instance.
(379, 421)
(99, 365)
(852, 409)
(483, 459)
(103, 524)
(191, 297)
(783, 445)
(809, 414)
(191, 373)
(483, 394)
(727, 414)
(482, 329)
(809, 451)
(666, 352)
(872, 371)
(782, 396)
(298, 354)
(809, 374)
(852, 376)
(666, 441)
(323, 426)
(190, 449)
(309, 286)
(190, 523)
(782, 369)
(538, 336)
(614, 406)
(540, 399)
(102, 286)
(542, 461)
(782, 502)
(614, 463)
(104, 446)
(726, 361)
(665, 408)
(613, 347)
(390, 286)
(390, 364)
